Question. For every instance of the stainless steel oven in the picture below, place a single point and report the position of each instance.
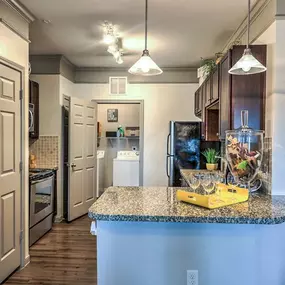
(41, 203)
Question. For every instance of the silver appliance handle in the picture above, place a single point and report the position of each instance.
(167, 145)
(32, 120)
(42, 180)
(167, 166)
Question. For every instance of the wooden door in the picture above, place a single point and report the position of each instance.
(224, 90)
(215, 86)
(82, 157)
(10, 185)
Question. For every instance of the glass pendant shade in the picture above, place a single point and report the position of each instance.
(247, 65)
(145, 66)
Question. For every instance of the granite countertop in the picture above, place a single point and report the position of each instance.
(187, 172)
(159, 204)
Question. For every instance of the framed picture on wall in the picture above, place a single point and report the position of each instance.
(112, 115)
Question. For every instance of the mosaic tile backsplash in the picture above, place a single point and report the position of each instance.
(46, 151)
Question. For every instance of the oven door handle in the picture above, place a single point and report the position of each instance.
(42, 180)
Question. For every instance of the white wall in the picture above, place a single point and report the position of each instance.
(15, 49)
(278, 113)
(128, 116)
(162, 103)
(50, 120)
(52, 88)
(269, 38)
(49, 104)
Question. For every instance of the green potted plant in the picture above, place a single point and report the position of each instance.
(212, 158)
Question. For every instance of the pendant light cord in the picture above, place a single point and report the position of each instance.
(146, 10)
(248, 24)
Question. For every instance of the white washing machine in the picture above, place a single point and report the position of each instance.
(100, 172)
(126, 168)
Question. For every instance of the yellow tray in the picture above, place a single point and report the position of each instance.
(229, 195)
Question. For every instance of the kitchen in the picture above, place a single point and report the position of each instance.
(69, 68)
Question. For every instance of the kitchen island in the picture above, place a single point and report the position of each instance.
(145, 236)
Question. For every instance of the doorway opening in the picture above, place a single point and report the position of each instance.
(119, 144)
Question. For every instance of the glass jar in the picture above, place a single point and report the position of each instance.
(244, 151)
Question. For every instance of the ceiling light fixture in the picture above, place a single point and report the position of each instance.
(248, 64)
(145, 65)
(109, 36)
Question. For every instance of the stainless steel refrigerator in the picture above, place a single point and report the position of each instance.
(183, 149)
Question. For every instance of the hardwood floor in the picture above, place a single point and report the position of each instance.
(66, 255)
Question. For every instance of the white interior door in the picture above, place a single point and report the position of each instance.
(82, 157)
(10, 83)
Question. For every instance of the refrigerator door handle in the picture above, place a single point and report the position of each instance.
(168, 139)
(167, 166)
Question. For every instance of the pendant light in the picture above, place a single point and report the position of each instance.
(145, 65)
(248, 64)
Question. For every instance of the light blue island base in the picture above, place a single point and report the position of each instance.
(146, 237)
(146, 253)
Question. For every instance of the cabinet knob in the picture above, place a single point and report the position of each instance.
(218, 134)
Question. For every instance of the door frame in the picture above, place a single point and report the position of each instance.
(24, 187)
(141, 140)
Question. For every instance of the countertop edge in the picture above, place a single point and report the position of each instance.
(193, 220)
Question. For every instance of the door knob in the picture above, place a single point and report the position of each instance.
(73, 165)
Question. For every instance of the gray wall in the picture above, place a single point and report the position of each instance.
(58, 64)
(169, 75)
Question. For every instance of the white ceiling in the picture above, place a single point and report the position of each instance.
(180, 31)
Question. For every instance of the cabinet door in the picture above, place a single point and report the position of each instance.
(202, 104)
(196, 103)
(34, 99)
(208, 91)
(224, 90)
(248, 92)
(215, 85)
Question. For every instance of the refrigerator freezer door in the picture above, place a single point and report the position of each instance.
(185, 142)
(183, 150)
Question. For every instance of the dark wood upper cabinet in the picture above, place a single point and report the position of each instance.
(248, 92)
(208, 91)
(215, 85)
(227, 95)
(34, 99)
(196, 104)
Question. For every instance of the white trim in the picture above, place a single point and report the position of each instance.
(21, 69)
(21, 10)
(26, 262)
(14, 30)
(141, 102)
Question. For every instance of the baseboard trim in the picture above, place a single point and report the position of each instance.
(26, 262)
(58, 219)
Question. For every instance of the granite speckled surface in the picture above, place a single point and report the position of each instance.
(159, 204)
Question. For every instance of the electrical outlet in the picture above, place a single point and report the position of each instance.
(192, 277)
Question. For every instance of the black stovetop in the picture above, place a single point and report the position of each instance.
(40, 173)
